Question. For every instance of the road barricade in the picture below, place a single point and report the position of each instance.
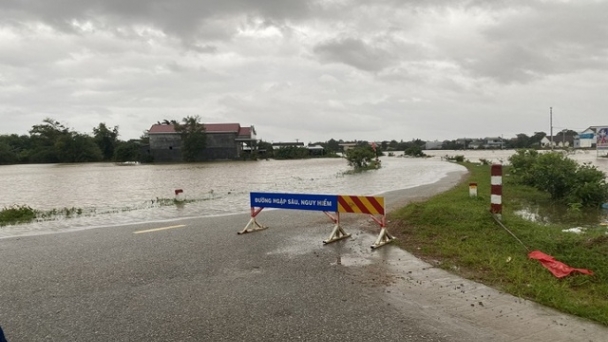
(331, 205)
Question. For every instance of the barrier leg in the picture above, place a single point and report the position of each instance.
(253, 225)
(337, 233)
(384, 237)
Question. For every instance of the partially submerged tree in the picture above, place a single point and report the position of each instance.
(361, 157)
(414, 151)
(194, 139)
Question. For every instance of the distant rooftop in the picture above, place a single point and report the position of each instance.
(209, 128)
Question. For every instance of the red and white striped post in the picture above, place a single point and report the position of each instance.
(496, 196)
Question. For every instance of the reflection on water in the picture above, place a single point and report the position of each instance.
(548, 214)
(108, 194)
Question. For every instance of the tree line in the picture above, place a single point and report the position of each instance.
(53, 142)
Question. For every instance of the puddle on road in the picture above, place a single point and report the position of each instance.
(351, 260)
(300, 245)
(351, 252)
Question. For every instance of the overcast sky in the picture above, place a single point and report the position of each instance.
(307, 69)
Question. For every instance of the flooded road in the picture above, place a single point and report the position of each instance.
(104, 194)
(80, 196)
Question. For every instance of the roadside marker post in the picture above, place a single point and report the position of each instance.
(473, 190)
(496, 192)
(179, 195)
(331, 205)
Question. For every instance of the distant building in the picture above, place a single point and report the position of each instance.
(316, 150)
(494, 143)
(347, 146)
(433, 145)
(545, 142)
(224, 141)
(476, 144)
(287, 144)
(587, 138)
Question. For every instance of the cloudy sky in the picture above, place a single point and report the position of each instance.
(307, 69)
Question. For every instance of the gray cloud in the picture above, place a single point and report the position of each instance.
(354, 52)
(538, 40)
(184, 18)
(305, 69)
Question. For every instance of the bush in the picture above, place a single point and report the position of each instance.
(521, 165)
(414, 151)
(554, 173)
(563, 178)
(589, 186)
(16, 214)
(457, 158)
(291, 152)
(360, 157)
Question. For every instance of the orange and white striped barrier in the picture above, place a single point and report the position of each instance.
(331, 205)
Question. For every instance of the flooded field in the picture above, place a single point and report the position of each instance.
(104, 194)
(80, 196)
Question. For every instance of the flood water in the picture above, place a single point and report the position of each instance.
(106, 194)
(591, 218)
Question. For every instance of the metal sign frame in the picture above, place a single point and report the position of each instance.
(331, 205)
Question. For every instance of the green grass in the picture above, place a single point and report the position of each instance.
(16, 214)
(19, 214)
(459, 232)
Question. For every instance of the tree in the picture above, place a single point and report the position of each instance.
(360, 157)
(452, 145)
(332, 145)
(7, 155)
(522, 141)
(44, 138)
(265, 148)
(145, 138)
(77, 148)
(194, 139)
(14, 148)
(106, 139)
(536, 138)
(291, 152)
(414, 151)
(127, 151)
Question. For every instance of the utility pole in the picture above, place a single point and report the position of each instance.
(551, 123)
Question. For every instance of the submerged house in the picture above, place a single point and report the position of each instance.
(224, 141)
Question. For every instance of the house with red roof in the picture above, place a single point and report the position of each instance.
(224, 141)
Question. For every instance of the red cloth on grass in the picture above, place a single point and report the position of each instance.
(558, 269)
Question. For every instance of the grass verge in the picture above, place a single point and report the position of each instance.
(458, 233)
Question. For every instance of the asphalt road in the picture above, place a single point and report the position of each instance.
(198, 280)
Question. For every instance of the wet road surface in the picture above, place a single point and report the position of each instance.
(197, 280)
